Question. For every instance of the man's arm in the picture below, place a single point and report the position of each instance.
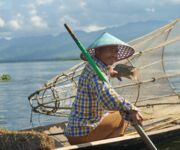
(111, 100)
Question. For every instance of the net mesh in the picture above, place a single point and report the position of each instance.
(157, 58)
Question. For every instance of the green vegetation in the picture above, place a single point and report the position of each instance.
(5, 77)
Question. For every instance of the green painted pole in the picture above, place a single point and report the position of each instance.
(86, 54)
(141, 132)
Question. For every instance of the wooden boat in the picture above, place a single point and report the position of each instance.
(159, 130)
(129, 142)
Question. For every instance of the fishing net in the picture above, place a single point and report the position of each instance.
(157, 59)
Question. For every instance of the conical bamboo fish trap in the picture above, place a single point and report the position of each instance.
(157, 53)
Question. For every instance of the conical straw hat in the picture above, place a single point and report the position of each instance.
(110, 41)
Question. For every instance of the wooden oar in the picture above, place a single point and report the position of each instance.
(98, 71)
(144, 136)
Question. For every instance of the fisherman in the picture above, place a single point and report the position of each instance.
(98, 111)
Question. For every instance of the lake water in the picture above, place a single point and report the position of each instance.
(26, 77)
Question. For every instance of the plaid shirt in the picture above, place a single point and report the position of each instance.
(94, 97)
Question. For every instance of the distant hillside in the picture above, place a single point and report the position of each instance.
(62, 46)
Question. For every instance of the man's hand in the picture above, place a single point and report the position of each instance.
(135, 117)
(121, 70)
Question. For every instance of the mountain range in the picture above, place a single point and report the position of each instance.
(62, 47)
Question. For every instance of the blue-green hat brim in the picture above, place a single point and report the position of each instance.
(107, 40)
(124, 51)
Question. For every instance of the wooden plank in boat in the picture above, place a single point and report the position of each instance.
(128, 141)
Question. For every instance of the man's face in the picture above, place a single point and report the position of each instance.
(107, 55)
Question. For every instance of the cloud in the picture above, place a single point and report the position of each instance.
(8, 38)
(69, 19)
(91, 28)
(82, 3)
(150, 10)
(173, 1)
(33, 12)
(38, 22)
(28, 17)
(2, 23)
(44, 2)
(31, 9)
(5, 34)
(14, 24)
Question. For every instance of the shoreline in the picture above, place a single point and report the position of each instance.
(40, 60)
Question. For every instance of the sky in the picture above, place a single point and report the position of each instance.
(41, 17)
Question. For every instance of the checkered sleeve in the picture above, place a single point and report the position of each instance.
(110, 99)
